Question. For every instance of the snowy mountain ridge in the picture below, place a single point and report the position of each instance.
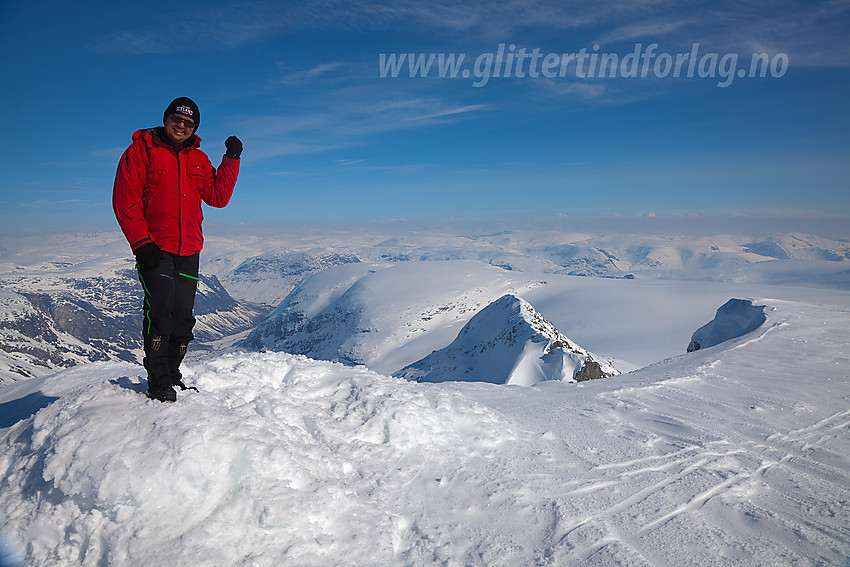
(388, 316)
(32, 343)
(384, 316)
(509, 342)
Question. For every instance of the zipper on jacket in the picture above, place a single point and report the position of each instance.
(179, 206)
(190, 146)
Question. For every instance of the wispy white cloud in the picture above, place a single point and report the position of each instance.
(219, 25)
(812, 32)
(644, 30)
(453, 111)
(345, 118)
(134, 42)
(211, 26)
(309, 75)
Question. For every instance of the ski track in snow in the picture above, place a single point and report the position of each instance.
(733, 455)
(733, 484)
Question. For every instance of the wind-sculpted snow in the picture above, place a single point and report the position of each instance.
(735, 455)
(733, 319)
(279, 460)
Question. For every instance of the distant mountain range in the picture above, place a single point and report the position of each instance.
(69, 299)
(270, 270)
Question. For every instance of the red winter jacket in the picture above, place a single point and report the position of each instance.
(158, 192)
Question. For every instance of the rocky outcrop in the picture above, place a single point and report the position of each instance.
(77, 320)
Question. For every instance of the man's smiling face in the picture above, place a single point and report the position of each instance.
(178, 128)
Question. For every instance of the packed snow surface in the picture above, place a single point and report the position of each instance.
(737, 454)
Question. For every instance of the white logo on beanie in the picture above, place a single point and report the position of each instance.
(184, 110)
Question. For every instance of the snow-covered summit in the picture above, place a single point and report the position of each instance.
(509, 342)
(278, 460)
(730, 455)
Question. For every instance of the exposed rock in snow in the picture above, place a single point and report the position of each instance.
(509, 342)
(735, 318)
(36, 335)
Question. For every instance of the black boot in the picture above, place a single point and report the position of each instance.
(176, 353)
(168, 394)
(159, 375)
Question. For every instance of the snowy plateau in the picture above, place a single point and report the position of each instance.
(385, 397)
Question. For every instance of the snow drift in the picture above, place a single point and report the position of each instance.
(733, 319)
(509, 342)
(279, 460)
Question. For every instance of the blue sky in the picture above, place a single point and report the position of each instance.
(326, 137)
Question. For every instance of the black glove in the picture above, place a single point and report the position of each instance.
(148, 256)
(234, 147)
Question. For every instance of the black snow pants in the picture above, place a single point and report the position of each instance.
(168, 321)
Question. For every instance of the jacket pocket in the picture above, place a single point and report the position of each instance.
(199, 177)
(198, 172)
(153, 180)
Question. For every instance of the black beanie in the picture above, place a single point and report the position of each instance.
(186, 106)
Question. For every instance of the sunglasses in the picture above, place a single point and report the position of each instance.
(185, 121)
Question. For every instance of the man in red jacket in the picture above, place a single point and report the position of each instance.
(162, 179)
